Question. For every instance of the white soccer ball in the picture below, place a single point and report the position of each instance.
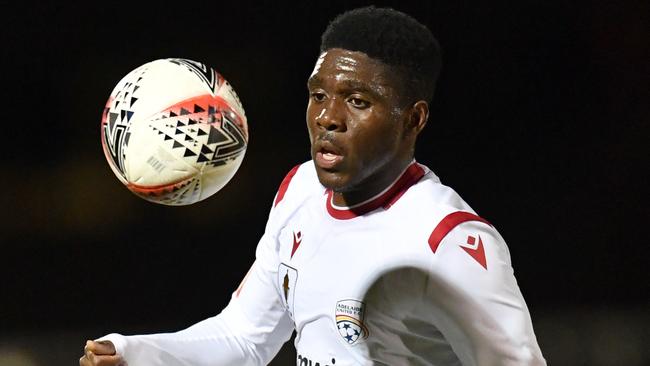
(174, 131)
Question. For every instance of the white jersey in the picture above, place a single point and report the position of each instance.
(410, 277)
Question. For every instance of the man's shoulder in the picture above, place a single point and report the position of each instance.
(299, 183)
(437, 214)
(432, 209)
(430, 197)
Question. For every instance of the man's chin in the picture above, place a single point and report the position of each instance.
(333, 180)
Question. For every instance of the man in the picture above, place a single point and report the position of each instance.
(366, 255)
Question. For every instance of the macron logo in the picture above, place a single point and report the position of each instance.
(297, 239)
(475, 249)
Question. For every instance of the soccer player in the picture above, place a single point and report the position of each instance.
(366, 255)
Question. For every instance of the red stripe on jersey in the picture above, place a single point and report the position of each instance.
(285, 185)
(448, 223)
(410, 176)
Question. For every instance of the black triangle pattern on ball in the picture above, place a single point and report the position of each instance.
(176, 144)
(117, 123)
(206, 150)
(112, 117)
(206, 74)
(216, 136)
(186, 193)
(215, 142)
(229, 151)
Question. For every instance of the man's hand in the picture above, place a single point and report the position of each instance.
(100, 354)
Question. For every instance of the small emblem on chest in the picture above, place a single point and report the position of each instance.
(349, 320)
(287, 279)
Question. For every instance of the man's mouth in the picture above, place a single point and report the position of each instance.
(327, 156)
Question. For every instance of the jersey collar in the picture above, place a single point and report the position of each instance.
(385, 199)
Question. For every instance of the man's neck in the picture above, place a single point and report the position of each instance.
(371, 187)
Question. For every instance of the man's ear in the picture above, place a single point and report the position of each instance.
(418, 116)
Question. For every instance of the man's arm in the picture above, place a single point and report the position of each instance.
(473, 297)
(249, 331)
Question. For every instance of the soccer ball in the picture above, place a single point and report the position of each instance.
(174, 131)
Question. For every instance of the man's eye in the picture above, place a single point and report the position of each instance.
(359, 103)
(319, 97)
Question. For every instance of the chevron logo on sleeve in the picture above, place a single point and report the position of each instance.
(475, 249)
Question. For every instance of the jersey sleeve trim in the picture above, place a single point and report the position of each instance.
(285, 185)
(448, 223)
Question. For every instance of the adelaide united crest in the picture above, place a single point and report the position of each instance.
(350, 320)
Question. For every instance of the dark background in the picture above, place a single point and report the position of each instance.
(540, 121)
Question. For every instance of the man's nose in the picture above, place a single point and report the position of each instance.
(332, 116)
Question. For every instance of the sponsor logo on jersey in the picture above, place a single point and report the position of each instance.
(475, 249)
(349, 320)
(287, 278)
(304, 361)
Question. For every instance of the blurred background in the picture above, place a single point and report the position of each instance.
(540, 121)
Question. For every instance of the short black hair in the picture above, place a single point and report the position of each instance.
(396, 39)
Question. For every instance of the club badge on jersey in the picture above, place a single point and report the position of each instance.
(349, 320)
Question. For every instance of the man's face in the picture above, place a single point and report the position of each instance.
(356, 124)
